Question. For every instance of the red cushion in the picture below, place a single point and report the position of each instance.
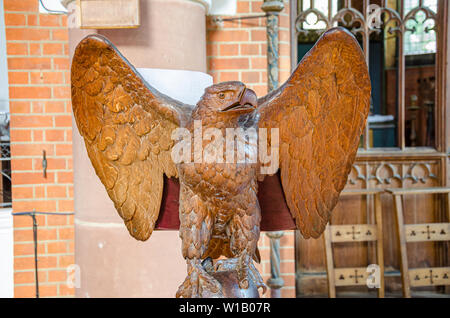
(275, 215)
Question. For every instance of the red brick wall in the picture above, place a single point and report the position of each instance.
(38, 64)
(238, 51)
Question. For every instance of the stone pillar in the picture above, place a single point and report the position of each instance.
(273, 8)
(112, 263)
(275, 282)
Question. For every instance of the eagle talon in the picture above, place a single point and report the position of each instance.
(199, 284)
(208, 265)
(243, 283)
(233, 264)
(256, 278)
(223, 265)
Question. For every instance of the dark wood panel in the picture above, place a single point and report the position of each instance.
(417, 81)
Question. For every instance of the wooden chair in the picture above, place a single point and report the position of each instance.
(356, 276)
(425, 232)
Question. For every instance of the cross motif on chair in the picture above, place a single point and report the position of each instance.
(353, 232)
(428, 232)
(431, 276)
(356, 276)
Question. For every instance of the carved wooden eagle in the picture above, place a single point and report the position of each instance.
(127, 126)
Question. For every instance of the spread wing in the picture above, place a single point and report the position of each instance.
(127, 126)
(321, 111)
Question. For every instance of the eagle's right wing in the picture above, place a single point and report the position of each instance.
(127, 127)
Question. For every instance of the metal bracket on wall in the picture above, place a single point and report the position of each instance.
(218, 20)
(35, 227)
(44, 163)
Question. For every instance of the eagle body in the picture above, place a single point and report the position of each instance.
(128, 127)
(220, 219)
(220, 201)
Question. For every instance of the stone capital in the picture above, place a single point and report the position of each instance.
(275, 234)
(272, 6)
(206, 3)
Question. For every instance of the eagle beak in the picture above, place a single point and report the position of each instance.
(247, 102)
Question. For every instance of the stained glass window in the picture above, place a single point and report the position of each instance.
(321, 6)
(420, 37)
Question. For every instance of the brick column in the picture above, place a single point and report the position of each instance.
(38, 72)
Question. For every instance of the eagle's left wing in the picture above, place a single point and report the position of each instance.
(320, 111)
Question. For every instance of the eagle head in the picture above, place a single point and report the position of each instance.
(228, 99)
